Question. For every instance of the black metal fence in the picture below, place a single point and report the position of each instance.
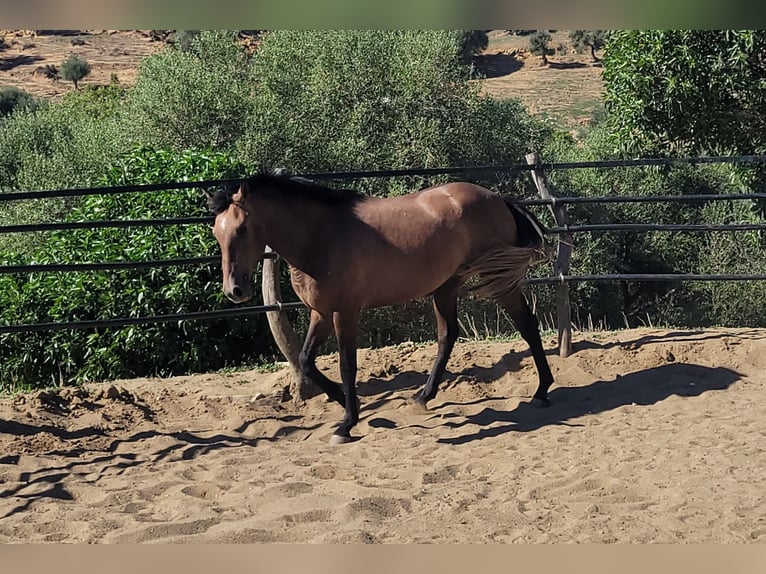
(468, 170)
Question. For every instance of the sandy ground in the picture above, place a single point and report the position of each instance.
(653, 436)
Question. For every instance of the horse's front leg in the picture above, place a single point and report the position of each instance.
(346, 328)
(318, 331)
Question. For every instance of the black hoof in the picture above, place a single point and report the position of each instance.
(420, 401)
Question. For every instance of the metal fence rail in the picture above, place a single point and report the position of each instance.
(128, 321)
(510, 168)
(647, 277)
(249, 310)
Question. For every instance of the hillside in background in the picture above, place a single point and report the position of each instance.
(29, 59)
(568, 90)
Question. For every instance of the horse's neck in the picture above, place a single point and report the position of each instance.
(292, 227)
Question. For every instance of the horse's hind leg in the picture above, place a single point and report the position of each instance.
(318, 331)
(445, 309)
(527, 324)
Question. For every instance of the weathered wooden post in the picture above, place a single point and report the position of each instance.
(287, 340)
(563, 255)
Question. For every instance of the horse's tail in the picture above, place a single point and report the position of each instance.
(531, 231)
(499, 273)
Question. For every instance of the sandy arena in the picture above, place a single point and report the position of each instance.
(653, 436)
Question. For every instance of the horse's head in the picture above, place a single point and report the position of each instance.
(240, 240)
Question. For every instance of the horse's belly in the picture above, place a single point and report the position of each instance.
(400, 284)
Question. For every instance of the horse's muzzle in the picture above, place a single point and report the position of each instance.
(239, 292)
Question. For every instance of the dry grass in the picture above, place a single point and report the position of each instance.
(109, 52)
(568, 90)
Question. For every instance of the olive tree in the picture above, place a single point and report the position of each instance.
(195, 95)
(75, 69)
(688, 91)
(354, 99)
(590, 39)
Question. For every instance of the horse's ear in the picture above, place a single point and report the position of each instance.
(243, 190)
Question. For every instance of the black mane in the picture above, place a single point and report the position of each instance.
(278, 184)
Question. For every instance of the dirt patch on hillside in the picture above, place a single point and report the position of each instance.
(30, 60)
(568, 89)
(652, 436)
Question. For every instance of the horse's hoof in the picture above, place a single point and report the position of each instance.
(420, 401)
(420, 404)
(540, 403)
(338, 439)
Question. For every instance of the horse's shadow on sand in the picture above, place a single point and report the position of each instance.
(642, 387)
(49, 482)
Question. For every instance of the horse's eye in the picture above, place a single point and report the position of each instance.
(241, 230)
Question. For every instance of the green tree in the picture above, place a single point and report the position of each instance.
(75, 69)
(354, 99)
(196, 97)
(538, 45)
(591, 39)
(472, 43)
(687, 91)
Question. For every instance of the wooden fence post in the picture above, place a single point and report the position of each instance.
(284, 335)
(563, 255)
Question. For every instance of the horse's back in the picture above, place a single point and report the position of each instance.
(479, 214)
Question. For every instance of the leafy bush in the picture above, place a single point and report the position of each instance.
(194, 97)
(65, 144)
(13, 99)
(35, 359)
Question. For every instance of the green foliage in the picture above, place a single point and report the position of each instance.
(73, 356)
(65, 144)
(353, 99)
(74, 69)
(687, 91)
(14, 99)
(539, 44)
(183, 39)
(635, 303)
(472, 43)
(94, 102)
(591, 39)
(196, 97)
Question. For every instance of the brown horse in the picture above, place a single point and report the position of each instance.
(348, 252)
